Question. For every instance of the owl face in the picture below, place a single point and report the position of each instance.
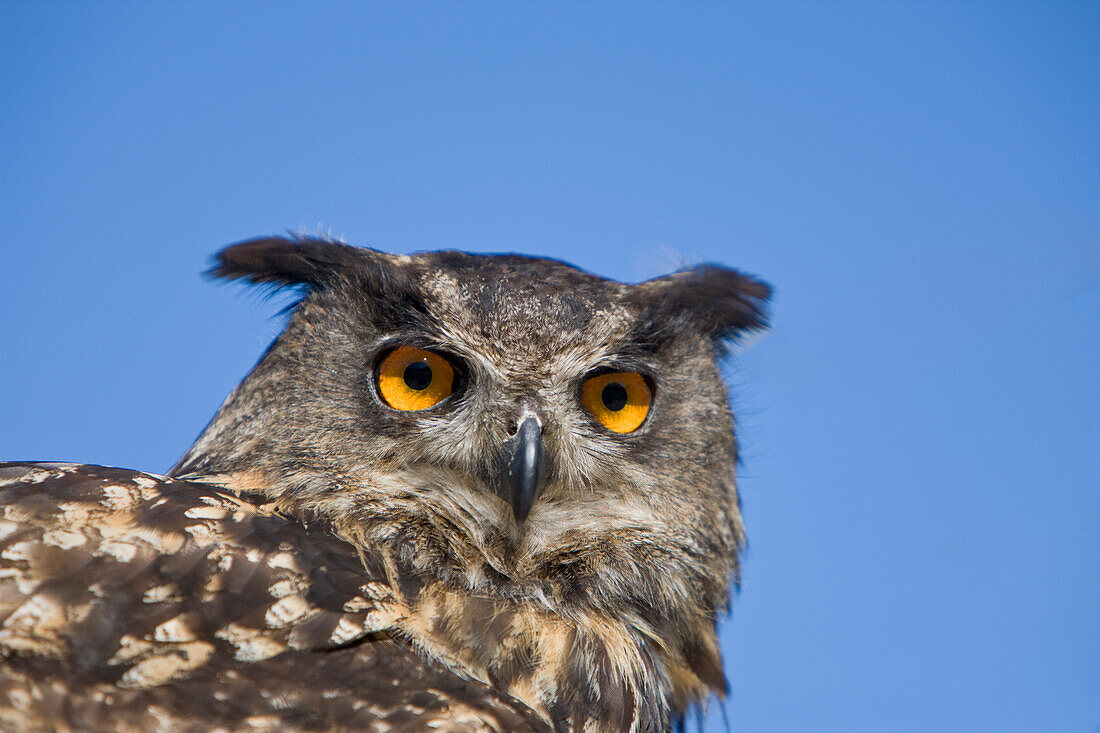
(526, 417)
(538, 461)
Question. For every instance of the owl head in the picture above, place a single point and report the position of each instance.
(509, 426)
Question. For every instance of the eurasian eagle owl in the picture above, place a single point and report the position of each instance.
(458, 492)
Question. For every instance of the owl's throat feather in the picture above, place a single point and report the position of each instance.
(543, 639)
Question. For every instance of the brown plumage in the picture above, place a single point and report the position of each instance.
(328, 558)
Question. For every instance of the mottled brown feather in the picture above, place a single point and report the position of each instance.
(135, 602)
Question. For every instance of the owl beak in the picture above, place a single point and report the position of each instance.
(526, 467)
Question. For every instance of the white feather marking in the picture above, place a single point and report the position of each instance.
(284, 560)
(120, 550)
(257, 649)
(286, 611)
(64, 538)
(9, 528)
(172, 664)
(119, 498)
(345, 631)
(174, 629)
(206, 512)
(161, 594)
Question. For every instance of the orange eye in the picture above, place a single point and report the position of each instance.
(619, 400)
(414, 379)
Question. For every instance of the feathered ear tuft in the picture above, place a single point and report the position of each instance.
(291, 261)
(720, 302)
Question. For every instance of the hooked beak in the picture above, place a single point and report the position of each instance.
(526, 467)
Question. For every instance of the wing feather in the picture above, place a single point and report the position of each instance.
(136, 602)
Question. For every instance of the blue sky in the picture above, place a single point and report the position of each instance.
(920, 182)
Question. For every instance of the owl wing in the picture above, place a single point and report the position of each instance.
(137, 602)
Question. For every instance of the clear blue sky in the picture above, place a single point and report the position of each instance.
(921, 183)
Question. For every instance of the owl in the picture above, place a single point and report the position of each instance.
(458, 492)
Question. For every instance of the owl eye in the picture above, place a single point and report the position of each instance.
(618, 400)
(414, 379)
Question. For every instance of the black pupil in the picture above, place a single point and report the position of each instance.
(614, 396)
(418, 375)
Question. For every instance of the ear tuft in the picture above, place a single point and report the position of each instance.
(721, 302)
(724, 302)
(288, 261)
